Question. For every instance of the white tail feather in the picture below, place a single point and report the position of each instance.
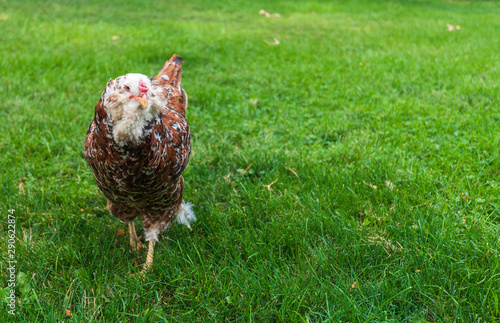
(185, 215)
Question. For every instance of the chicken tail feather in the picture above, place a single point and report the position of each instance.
(185, 215)
(171, 73)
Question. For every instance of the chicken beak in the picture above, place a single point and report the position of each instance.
(143, 100)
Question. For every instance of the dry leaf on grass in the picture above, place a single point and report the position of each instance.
(21, 186)
(68, 313)
(115, 37)
(120, 232)
(370, 185)
(354, 285)
(276, 42)
(263, 12)
(266, 13)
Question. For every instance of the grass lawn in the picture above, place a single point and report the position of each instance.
(345, 161)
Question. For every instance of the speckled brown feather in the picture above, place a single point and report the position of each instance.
(145, 179)
(171, 74)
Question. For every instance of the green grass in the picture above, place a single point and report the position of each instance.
(378, 127)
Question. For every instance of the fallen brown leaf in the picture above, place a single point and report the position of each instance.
(276, 42)
(267, 14)
(263, 12)
(21, 186)
(370, 185)
(120, 232)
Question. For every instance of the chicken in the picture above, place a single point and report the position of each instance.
(138, 145)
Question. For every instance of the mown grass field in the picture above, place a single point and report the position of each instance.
(376, 125)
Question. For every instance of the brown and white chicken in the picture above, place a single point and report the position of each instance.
(137, 146)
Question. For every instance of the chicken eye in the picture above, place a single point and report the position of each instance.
(127, 88)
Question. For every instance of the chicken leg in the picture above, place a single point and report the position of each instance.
(135, 244)
(149, 259)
